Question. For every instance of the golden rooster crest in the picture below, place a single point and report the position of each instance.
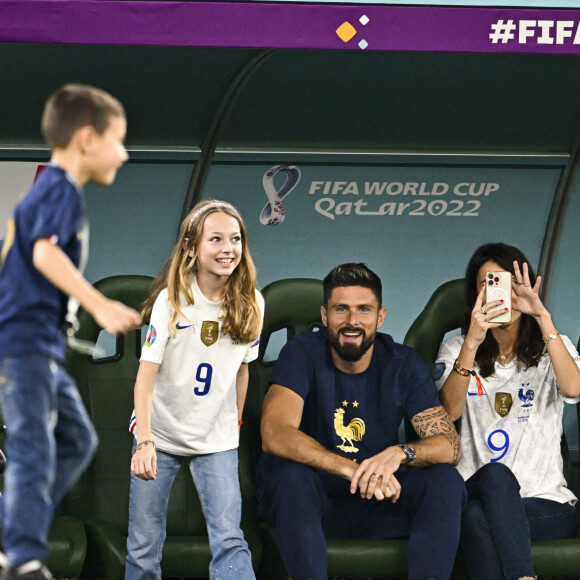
(354, 431)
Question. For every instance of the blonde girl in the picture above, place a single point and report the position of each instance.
(205, 317)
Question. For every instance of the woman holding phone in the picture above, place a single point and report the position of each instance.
(507, 382)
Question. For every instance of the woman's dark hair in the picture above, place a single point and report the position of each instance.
(529, 344)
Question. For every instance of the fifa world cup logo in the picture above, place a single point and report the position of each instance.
(274, 212)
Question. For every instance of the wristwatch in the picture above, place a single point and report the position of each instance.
(409, 451)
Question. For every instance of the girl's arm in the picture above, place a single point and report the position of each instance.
(242, 379)
(144, 460)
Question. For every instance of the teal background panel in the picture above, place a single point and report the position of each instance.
(413, 254)
(134, 222)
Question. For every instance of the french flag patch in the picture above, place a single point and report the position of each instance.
(133, 424)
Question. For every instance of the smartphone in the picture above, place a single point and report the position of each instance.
(498, 286)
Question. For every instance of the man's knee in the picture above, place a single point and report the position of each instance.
(443, 479)
(440, 487)
(290, 488)
(296, 479)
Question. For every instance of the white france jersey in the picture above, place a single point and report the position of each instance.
(194, 407)
(517, 421)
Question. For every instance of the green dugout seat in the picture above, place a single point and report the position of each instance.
(442, 314)
(101, 498)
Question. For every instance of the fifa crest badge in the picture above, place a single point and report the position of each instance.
(503, 403)
(209, 332)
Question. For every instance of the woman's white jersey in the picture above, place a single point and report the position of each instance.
(194, 407)
(517, 421)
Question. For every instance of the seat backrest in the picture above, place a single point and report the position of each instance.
(106, 386)
(442, 314)
(292, 306)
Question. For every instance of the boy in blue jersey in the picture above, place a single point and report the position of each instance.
(50, 437)
(333, 465)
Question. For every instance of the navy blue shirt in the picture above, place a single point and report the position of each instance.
(32, 310)
(355, 415)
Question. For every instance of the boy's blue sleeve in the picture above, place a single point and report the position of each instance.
(57, 217)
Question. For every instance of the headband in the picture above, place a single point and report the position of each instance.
(208, 206)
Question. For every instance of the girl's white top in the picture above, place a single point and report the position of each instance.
(517, 420)
(194, 407)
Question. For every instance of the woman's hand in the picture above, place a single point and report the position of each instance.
(482, 319)
(528, 298)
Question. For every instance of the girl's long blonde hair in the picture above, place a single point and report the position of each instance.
(242, 319)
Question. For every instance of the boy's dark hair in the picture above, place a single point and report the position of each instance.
(529, 343)
(352, 274)
(74, 106)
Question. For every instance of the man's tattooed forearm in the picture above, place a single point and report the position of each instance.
(428, 423)
(436, 421)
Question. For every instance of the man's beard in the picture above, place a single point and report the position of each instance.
(350, 352)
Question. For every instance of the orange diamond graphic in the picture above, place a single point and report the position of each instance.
(345, 31)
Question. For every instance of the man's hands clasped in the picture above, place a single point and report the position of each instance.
(375, 476)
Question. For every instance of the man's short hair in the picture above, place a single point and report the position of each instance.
(74, 106)
(352, 274)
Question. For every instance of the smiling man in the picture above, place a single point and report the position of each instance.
(333, 465)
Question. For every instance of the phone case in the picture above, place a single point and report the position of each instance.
(498, 286)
